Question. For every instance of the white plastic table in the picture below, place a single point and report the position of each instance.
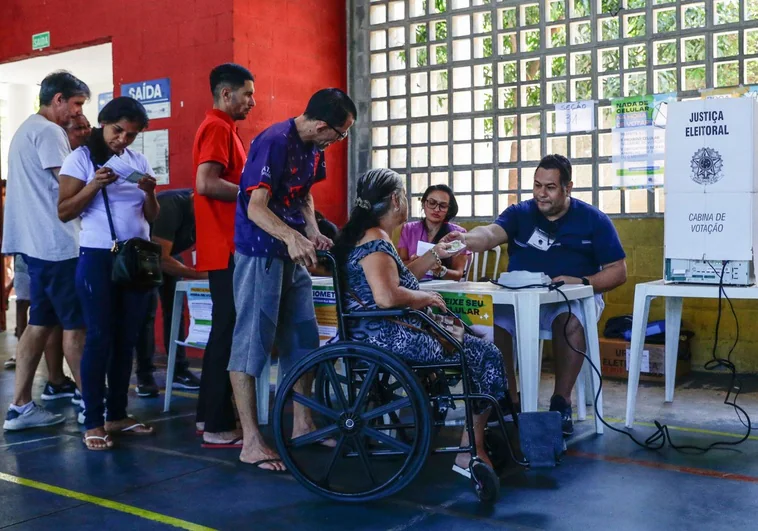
(675, 295)
(182, 288)
(526, 304)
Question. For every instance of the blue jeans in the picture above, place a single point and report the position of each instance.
(113, 316)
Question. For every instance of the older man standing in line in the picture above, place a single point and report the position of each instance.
(49, 247)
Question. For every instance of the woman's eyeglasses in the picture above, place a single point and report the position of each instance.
(434, 205)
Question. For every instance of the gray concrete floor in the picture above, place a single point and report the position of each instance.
(48, 480)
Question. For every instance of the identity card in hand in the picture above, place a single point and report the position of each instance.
(123, 170)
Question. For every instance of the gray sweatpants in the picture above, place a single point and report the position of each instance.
(274, 307)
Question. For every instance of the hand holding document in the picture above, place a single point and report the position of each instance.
(123, 170)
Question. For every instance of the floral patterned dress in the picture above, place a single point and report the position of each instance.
(485, 362)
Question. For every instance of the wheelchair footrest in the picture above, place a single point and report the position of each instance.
(541, 437)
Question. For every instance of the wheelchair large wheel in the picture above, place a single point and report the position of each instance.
(351, 407)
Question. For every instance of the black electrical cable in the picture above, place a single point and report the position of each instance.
(661, 436)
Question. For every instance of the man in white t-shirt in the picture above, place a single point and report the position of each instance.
(49, 247)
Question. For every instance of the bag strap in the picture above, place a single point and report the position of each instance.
(110, 218)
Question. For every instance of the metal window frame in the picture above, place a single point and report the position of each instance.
(359, 83)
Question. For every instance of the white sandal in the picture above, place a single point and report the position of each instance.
(105, 439)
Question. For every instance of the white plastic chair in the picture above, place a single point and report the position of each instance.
(474, 272)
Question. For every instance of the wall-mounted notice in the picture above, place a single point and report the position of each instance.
(639, 140)
(103, 99)
(154, 145)
(574, 117)
(155, 95)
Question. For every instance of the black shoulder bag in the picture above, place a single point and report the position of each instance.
(136, 262)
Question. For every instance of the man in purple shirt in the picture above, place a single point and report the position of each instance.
(276, 238)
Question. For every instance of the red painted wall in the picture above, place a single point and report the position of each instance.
(294, 47)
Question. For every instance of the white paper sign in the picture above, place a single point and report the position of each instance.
(200, 310)
(574, 117)
(154, 145)
(644, 365)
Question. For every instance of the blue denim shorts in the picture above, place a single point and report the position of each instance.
(52, 294)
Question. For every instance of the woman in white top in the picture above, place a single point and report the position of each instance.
(113, 315)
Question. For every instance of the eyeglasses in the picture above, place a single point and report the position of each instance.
(434, 205)
(342, 134)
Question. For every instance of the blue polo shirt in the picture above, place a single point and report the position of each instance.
(287, 167)
(575, 245)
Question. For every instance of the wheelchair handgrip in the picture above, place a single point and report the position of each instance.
(321, 255)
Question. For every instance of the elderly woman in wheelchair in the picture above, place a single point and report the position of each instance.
(374, 385)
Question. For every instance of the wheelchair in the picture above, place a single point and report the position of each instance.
(382, 413)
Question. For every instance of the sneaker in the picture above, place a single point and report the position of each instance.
(65, 390)
(36, 417)
(559, 404)
(146, 386)
(186, 380)
(77, 399)
(10, 363)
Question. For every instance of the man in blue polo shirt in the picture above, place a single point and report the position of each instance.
(569, 241)
(276, 238)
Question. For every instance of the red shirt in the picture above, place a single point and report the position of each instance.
(216, 141)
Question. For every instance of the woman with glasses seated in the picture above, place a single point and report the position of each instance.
(440, 207)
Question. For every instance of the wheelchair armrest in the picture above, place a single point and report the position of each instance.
(366, 314)
(406, 312)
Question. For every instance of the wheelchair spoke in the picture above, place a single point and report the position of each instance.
(315, 406)
(349, 377)
(360, 445)
(333, 460)
(388, 408)
(360, 402)
(386, 439)
(332, 375)
(314, 436)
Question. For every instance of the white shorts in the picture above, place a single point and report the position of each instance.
(505, 318)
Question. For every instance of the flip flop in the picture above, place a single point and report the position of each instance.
(272, 460)
(105, 439)
(234, 443)
(462, 471)
(130, 430)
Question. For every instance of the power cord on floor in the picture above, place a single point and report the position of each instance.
(661, 436)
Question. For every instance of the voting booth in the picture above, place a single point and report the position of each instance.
(711, 180)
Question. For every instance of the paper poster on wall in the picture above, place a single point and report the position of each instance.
(719, 93)
(154, 145)
(103, 99)
(325, 304)
(476, 311)
(574, 117)
(639, 140)
(200, 311)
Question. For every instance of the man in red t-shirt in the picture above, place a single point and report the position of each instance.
(219, 156)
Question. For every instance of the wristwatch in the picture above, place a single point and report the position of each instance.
(586, 281)
(442, 272)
